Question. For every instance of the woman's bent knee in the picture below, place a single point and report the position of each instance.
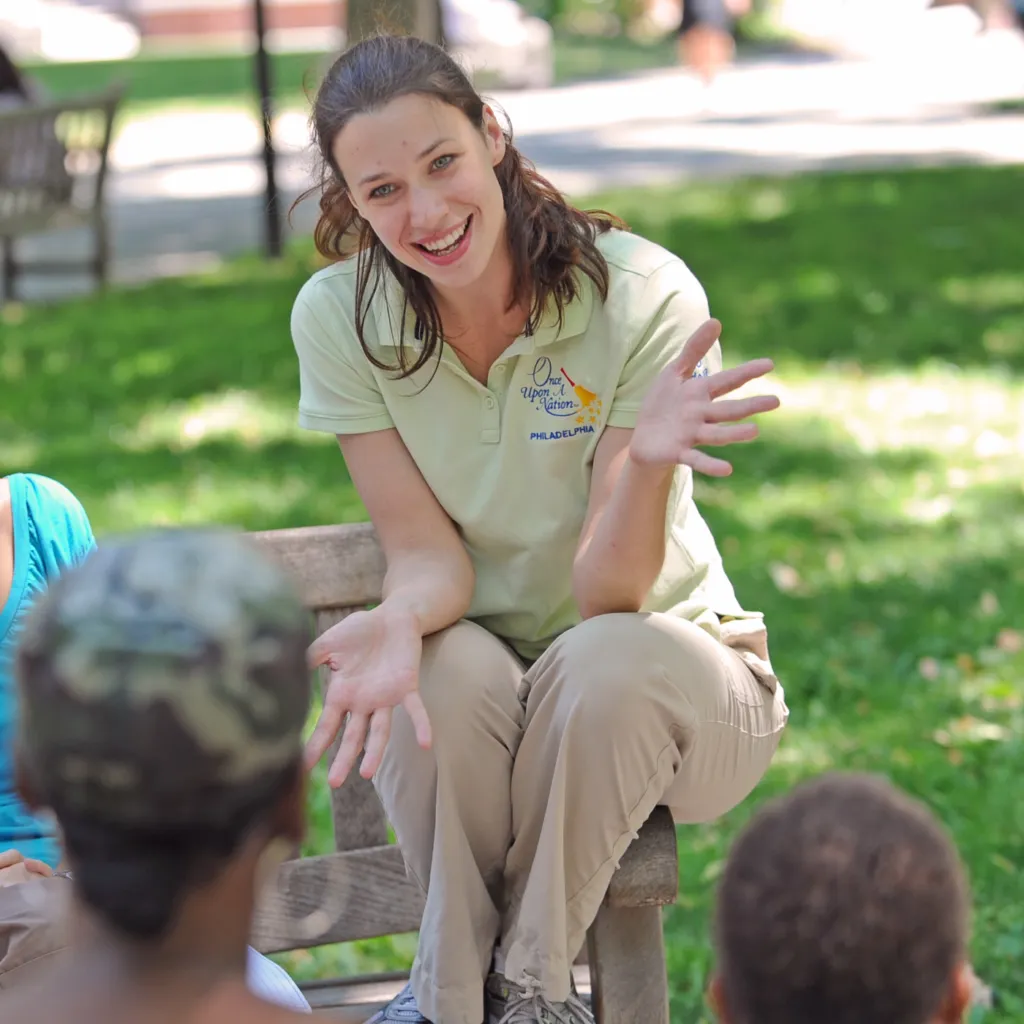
(469, 681)
(469, 684)
(618, 662)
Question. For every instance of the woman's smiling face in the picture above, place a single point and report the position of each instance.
(422, 176)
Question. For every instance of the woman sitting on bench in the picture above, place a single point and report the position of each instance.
(519, 390)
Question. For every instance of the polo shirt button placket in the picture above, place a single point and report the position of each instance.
(491, 432)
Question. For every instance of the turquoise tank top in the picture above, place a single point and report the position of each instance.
(51, 534)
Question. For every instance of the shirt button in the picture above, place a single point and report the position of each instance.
(500, 368)
(489, 403)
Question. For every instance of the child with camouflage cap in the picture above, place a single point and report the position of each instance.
(163, 688)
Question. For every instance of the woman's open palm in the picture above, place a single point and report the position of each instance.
(373, 658)
(681, 411)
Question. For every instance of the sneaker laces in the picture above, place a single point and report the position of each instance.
(578, 1009)
(533, 1008)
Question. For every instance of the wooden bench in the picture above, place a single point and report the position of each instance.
(53, 172)
(362, 890)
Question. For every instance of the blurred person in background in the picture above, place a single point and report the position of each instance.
(13, 89)
(706, 42)
(16, 88)
(44, 531)
(163, 691)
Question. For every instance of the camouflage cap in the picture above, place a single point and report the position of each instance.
(163, 681)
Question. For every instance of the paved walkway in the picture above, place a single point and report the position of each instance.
(187, 187)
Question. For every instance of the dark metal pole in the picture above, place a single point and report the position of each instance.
(264, 85)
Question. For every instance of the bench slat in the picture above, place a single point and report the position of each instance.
(333, 566)
(359, 894)
(362, 894)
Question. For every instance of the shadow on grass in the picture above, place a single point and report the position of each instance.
(878, 270)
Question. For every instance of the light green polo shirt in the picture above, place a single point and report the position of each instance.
(510, 462)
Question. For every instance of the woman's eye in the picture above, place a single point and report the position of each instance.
(381, 191)
(442, 162)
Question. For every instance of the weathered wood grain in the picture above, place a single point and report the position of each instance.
(648, 874)
(358, 894)
(627, 966)
(332, 566)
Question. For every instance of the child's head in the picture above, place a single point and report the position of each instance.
(163, 692)
(842, 902)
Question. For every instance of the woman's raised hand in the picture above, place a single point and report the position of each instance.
(681, 412)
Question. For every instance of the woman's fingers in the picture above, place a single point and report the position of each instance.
(728, 410)
(376, 741)
(701, 462)
(697, 347)
(416, 710)
(327, 727)
(8, 858)
(352, 741)
(319, 651)
(719, 434)
(724, 381)
(38, 867)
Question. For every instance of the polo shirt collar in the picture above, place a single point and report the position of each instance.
(396, 321)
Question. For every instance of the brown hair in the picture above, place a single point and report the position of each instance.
(843, 901)
(547, 237)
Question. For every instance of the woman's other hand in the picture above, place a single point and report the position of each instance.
(373, 658)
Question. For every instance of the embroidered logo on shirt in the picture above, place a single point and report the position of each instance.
(557, 394)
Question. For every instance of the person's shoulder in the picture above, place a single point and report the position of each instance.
(57, 518)
(47, 495)
(331, 284)
(633, 255)
(643, 275)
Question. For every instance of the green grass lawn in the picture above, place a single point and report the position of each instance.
(879, 522)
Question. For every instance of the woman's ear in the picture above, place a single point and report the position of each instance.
(494, 137)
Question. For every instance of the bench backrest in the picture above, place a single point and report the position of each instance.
(54, 155)
(362, 890)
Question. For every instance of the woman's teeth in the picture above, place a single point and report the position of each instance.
(449, 241)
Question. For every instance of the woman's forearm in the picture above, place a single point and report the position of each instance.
(435, 585)
(617, 565)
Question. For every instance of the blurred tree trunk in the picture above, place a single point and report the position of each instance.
(403, 17)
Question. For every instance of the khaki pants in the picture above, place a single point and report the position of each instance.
(515, 820)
